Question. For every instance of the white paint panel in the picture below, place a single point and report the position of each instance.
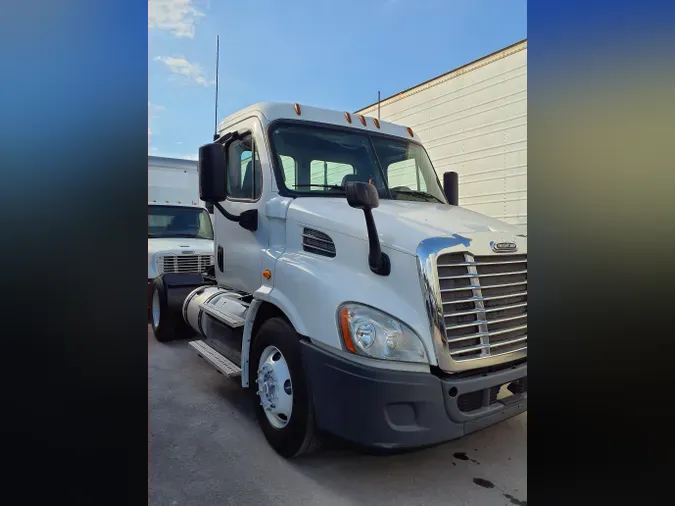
(474, 121)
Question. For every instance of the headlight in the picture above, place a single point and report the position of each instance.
(372, 333)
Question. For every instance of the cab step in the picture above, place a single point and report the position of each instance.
(222, 364)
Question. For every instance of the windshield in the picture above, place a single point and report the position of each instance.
(318, 161)
(175, 221)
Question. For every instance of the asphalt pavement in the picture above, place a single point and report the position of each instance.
(206, 449)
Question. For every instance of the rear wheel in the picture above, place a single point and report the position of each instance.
(166, 326)
(281, 394)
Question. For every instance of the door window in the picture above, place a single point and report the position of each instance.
(244, 181)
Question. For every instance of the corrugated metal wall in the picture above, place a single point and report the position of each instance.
(474, 121)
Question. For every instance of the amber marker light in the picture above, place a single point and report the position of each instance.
(344, 327)
(363, 119)
(410, 132)
(377, 123)
(348, 117)
(297, 109)
(267, 274)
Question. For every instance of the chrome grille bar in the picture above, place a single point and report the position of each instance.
(170, 264)
(489, 275)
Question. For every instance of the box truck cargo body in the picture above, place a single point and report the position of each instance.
(473, 120)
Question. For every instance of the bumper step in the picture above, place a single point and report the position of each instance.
(217, 360)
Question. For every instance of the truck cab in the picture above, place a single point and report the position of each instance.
(180, 230)
(350, 293)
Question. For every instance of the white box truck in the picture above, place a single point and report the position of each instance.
(351, 294)
(180, 230)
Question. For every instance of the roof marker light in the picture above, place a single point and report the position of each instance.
(297, 109)
(377, 123)
(410, 132)
(349, 118)
(363, 119)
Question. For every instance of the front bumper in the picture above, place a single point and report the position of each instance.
(395, 409)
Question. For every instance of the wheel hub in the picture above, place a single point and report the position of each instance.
(275, 389)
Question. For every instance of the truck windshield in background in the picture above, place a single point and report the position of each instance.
(176, 221)
(317, 161)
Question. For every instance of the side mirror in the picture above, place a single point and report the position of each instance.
(362, 195)
(212, 187)
(451, 187)
(209, 207)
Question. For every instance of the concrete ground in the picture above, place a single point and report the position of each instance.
(206, 449)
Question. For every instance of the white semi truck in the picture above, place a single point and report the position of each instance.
(180, 230)
(351, 294)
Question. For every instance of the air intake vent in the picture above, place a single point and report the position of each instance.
(318, 243)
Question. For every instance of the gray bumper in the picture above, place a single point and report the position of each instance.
(392, 409)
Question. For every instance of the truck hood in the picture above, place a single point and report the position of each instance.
(401, 225)
(179, 244)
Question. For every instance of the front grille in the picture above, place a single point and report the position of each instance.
(185, 263)
(484, 304)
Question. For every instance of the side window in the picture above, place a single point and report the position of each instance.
(328, 173)
(244, 179)
(406, 173)
(289, 170)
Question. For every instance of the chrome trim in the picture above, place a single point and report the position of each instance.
(428, 252)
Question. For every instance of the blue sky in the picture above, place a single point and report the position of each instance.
(334, 54)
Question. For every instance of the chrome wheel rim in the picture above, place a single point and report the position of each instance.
(275, 388)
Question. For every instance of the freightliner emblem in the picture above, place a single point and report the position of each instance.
(504, 247)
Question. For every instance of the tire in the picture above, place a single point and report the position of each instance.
(298, 436)
(170, 326)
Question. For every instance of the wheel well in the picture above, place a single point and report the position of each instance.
(266, 311)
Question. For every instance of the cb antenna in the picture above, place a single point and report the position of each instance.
(215, 119)
(378, 105)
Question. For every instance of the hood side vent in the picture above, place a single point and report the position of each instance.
(318, 243)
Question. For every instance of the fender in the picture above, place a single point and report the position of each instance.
(277, 299)
(246, 339)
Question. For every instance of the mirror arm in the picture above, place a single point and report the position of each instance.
(247, 219)
(223, 211)
(378, 261)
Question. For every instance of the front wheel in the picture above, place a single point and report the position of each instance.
(282, 399)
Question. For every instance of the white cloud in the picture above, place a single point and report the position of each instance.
(153, 113)
(153, 109)
(179, 17)
(182, 67)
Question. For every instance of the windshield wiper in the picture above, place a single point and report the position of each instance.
(329, 186)
(419, 193)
